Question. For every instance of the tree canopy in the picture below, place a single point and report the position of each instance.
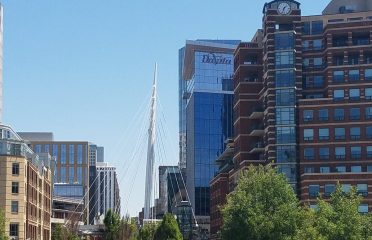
(3, 235)
(168, 229)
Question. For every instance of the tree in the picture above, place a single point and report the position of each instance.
(168, 229)
(57, 232)
(3, 235)
(263, 206)
(127, 229)
(112, 224)
(147, 232)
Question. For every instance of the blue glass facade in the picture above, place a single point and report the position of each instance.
(208, 114)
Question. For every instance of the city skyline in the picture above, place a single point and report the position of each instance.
(87, 46)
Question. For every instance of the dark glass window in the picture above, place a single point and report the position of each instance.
(308, 115)
(356, 169)
(341, 169)
(285, 135)
(14, 229)
(369, 132)
(323, 114)
(368, 93)
(356, 152)
(368, 113)
(306, 45)
(318, 62)
(316, 27)
(309, 153)
(362, 189)
(285, 97)
(285, 116)
(354, 114)
(308, 134)
(363, 208)
(286, 154)
(323, 134)
(354, 75)
(306, 28)
(338, 76)
(340, 152)
(368, 74)
(324, 153)
(329, 189)
(309, 170)
(346, 188)
(318, 81)
(284, 41)
(314, 190)
(318, 44)
(354, 94)
(369, 152)
(338, 95)
(339, 114)
(15, 168)
(14, 206)
(285, 78)
(340, 134)
(354, 59)
(15, 187)
(355, 133)
(325, 170)
(284, 59)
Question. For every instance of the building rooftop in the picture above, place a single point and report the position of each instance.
(37, 136)
(347, 6)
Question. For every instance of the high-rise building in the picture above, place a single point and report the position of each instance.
(108, 189)
(303, 91)
(26, 186)
(206, 115)
(1, 60)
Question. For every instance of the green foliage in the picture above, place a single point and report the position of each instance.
(128, 229)
(112, 223)
(263, 206)
(147, 232)
(3, 235)
(168, 229)
(57, 232)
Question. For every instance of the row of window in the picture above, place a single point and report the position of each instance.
(338, 114)
(354, 94)
(363, 208)
(339, 152)
(63, 148)
(354, 75)
(314, 190)
(337, 169)
(339, 133)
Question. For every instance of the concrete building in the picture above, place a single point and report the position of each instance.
(26, 186)
(108, 189)
(206, 115)
(303, 90)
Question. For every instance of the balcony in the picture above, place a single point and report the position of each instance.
(257, 113)
(257, 148)
(257, 131)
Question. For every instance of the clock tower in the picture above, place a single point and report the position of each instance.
(282, 82)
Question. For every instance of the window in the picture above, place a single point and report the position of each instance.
(286, 154)
(305, 45)
(356, 169)
(285, 135)
(38, 148)
(338, 76)
(368, 74)
(306, 28)
(80, 154)
(316, 27)
(368, 93)
(325, 170)
(354, 75)
(284, 60)
(284, 41)
(323, 114)
(14, 230)
(318, 81)
(340, 152)
(309, 170)
(72, 154)
(308, 115)
(308, 134)
(14, 207)
(355, 133)
(79, 175)
(346, 188)
(339, 114)
(363, 209)
(369, 168)
(15, 168)
(339, 133)
(63, 175)
(318, 44)
(369, 152)
(329, 189)
(309, 153)
(368, 113)
(353, 59)
(356, 152)
(324, 153)
(314, 190)
(341, 169)
(285, 116)
(15, 187)
(285, 78)
(71, 175)
(354, 114)
(369, 132)
(338, 95)
(318, 62)
(63, 154)
(323, 134)
(285, 97)
(354, 94)
(362, 189)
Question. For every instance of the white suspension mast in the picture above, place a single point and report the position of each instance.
(150, 150)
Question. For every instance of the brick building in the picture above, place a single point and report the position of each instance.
(303, 91)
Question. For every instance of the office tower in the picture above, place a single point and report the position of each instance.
(100, 154)
(108, 191)
(26, 186)
(206, 100)
(303, 91)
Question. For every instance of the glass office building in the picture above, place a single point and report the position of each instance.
(206, 112)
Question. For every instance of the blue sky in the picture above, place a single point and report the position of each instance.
(82, 69)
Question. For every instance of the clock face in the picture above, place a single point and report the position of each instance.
(284, 8)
